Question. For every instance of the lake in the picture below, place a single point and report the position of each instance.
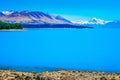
(77, 49)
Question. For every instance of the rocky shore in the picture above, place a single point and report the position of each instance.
(58, 75)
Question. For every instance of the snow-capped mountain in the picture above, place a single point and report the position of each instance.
(7, 12)
(99, 23)
(92, 21)
(31, 17)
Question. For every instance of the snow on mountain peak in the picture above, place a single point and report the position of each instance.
(92, 21)
(7, 12)
(97, 21)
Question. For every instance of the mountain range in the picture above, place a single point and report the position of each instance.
(92, 21)
(99, 23)
(31, 17)
(37, 17)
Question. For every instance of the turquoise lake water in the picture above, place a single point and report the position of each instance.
(80, 49)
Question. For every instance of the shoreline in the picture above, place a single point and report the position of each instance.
(58, 75)
(26, 29)
(12, 30)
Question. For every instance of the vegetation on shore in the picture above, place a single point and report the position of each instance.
(4, 25)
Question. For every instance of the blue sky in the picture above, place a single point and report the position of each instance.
(71, 9)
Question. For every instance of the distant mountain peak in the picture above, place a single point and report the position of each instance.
(92, 21)
(7, 12)
(97, 21)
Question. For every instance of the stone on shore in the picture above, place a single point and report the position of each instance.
(58, 75)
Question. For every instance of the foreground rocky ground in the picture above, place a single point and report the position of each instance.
(58, 75)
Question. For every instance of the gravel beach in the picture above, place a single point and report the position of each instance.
(58, 75)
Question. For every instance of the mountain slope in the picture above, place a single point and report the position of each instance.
(32, 17)
(1, 14)
(113, 24)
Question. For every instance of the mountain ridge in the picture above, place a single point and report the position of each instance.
(99, 23)
(31, 17)
(92, 21)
